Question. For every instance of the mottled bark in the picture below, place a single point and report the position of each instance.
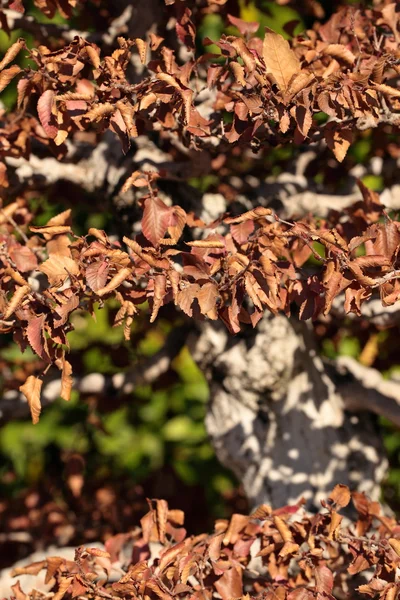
(277, 419)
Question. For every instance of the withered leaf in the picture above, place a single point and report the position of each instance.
(12, 52)
(340, 495)
(44, 108)
(115, 281)
(58, 268)
(160, 284)
(155, 220)
(207, 297)
(31, 390)
(340, 51)
(230, 584)
(323, 579)
(8, 75)
(19, 295)
(96, 274)
(338, 139)
(279, 58)
(35, 334)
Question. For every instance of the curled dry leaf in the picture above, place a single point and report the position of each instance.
(341, 52)
(44, 108)
(206, 244)
(31, 390)
(12, 52)
(8, 75)
(115, 281)
(19, 295)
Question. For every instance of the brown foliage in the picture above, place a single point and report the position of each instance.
(281, 553)
(243, 264)
(254, 263)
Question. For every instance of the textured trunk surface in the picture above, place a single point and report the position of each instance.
(277, 420)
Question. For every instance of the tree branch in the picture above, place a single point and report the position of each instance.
(13, 404)
(368, 391)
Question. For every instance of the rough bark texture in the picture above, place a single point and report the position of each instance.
(278, 420)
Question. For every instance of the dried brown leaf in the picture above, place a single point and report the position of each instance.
(31, 390)
(12, 52)
(280, 60)
(8, 75)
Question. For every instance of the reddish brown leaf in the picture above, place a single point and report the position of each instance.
(323, 579)
(244, 27)
(35, 334)
(155, 220)
(44, 107)
(230, 584)
(25, 260)
(96, 274)
(242, 231)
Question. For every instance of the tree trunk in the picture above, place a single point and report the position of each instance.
(277, 419)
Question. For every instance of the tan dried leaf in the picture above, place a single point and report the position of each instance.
(298, 83)
(288, 548)
(116, 281)
(256, 213)
(284, 122)
(66, 380)
(98, 552)
(262, 512)
(61, 219)
(100, 111)
(207, 298)
(53, 563)
(142, 49)
(8, 75)
(238, 72)
(12, 52)
(206, 244)
(58, 268)
(32, 569)
(340, 495)
(387, 90)
(31, 390)
(340, 51)
(62, 588)
(18, 593)
(16, 300)
(283, 529)
(395, 544)
(52, 229)
(94, 55)
(160, 285)
(338, 140)
(161, 518)
(280, 60)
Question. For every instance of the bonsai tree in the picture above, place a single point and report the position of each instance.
(225, 163)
